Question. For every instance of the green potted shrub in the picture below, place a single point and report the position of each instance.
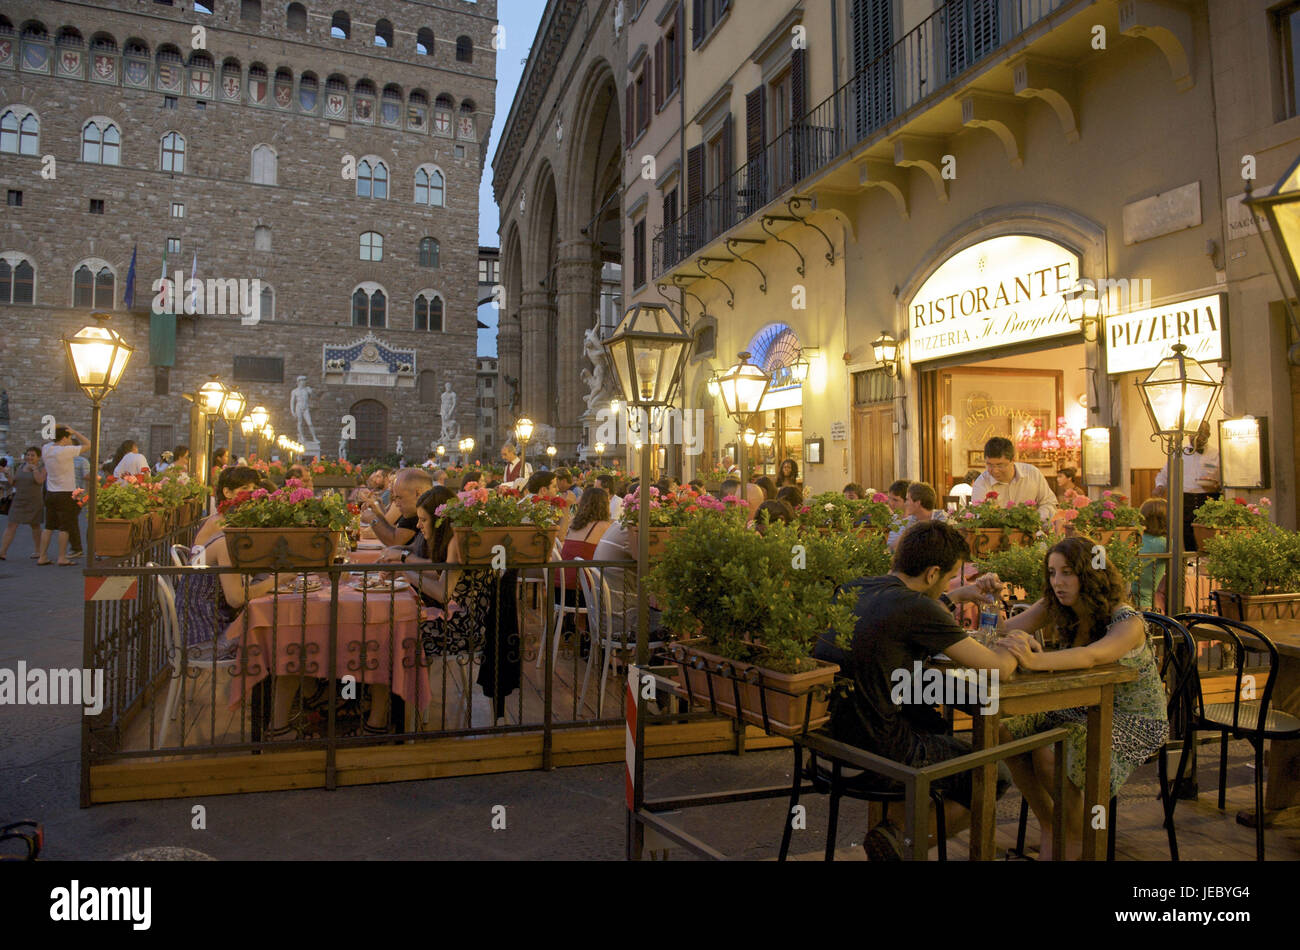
(982, 524)
(746, 602)
(121, 508)
(286, 529)
(482, 520)
(1226, 515)
(1258, 572)
(1021, 568)
(1020, 524)
(670, 513)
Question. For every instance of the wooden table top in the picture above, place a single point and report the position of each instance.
(1039, 682)
(1285, 634)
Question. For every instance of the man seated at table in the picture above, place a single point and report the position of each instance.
(1015, 482)
(753, 495)
(904, 618)
(918, 505)
(408, 486)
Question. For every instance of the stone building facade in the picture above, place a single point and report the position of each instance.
(331, 153)
(557, 178)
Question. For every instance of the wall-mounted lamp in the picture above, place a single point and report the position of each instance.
(1084, 307)
(885, 350)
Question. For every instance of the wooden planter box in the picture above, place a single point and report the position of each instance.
(524, 544)
(159, 522)
(287, 549)
(335, 481)
(115, 537)
(785, 694)
(982, 541)
(1250, 607)
(659, 537)
(1204, 534)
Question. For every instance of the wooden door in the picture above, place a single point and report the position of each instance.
(873, 445)
(372, 428)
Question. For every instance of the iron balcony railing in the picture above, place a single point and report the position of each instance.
(955, 38)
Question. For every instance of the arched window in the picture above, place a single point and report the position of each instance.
(250, 10)
(295, 18)
(428, 311)
(264, 165)
(261, 238)
(200, 6)
(20, 132)
(369, 307)
(372, 179)
(266, 303)
(101, 142)
(17, 279)
(464, 49)
(424, 41)
(384, 34)
(341, 26)
(429, 249)
(430, 187)
(173, 153)
(69, 38)
(93, 286)
(372, 246)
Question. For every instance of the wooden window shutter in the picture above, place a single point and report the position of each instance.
(755, 132)
(629, 115)
(695, 177)
(659, 74)
(697, 21)
(798, 85)
(643, 98)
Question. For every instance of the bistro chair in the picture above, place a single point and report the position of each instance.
(1178, 672)
(181, 555)
(600, 621)
(562, 610)
(1254, 720)
(195, 656)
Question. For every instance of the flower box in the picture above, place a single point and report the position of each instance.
(286, 549)
(1248, 607)
(335, 481)
(982, 541)
(658, 538)
(785, 696)
(158, 523)
(1011, 538)
(1204, 533)
(523, 544)
(115, 537)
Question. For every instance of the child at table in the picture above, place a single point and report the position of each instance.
(1088, 608)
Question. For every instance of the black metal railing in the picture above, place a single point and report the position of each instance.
(956, 37)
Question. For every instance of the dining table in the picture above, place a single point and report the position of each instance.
(1282, 790)
(287, 633)
(1045, 691)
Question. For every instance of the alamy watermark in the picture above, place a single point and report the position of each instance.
(215, 296)
(948, 687)
(683, 427)
(57, 687)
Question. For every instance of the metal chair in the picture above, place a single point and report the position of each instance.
(1249, 719)
(181, 555)
(562, 609)
(200, 656)
(600, 621)
(1178, 672)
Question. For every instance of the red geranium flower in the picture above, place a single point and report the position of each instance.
(1239, 501)
(991, 494)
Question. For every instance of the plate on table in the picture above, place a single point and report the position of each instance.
(300, 585)
(364, 545)
(375, 583)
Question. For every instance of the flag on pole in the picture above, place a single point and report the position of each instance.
(129, 298)
(162, 324)
(193, 306)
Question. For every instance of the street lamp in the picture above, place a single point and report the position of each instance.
(1281, 238)
(523, 433)
(1178, 395)
(441, 450)
(232, 409)
(246, 427)
(268, 436)
(98, 358)
(743, 388)
(259, 417)
(1084, 307)
(550, 454)
(885, 349)
(600, 454)
(647, 350)
(210, 398)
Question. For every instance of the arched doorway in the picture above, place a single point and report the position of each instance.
(372, 428)
(777, 349)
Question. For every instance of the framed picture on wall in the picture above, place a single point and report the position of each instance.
(975, 458)
(812, 451)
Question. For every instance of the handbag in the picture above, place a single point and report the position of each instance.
(6, 503)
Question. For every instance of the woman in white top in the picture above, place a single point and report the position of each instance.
(128, 460)
(1200, 481)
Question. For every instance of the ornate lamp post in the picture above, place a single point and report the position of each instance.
(648, 350)
(268, 437)
(550, 455)
(210, 398)
(259, 417)
(523, 433)
(232, 409)
(600, 454)
(246, 427)
(743, 388)
(98, 358)
(441, 451)
(1178, 395)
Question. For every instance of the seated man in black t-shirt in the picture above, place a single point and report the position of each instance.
(409, 485)
(903, 619)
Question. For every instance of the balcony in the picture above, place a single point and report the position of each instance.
(912, 76)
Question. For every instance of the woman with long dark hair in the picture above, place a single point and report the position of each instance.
(127, 460)
(788, 474)
(1087, 607)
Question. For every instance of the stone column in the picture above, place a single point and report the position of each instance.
(576, 300)
(535, 314)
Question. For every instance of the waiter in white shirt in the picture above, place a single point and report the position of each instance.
(1015, 482)
(517, 470)
(1200, 481)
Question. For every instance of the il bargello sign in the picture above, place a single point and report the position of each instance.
(999, 292)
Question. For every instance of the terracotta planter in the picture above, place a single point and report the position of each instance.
(785, 695)
(982, 541)
(1203, 534)
(1249, 607)
(524, 544)
(115, 537)
(158, 524)
(335, 481)
(286, 549)
(658, 538)
(1011, 538)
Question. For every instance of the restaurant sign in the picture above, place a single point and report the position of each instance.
(999, 292)
(1142, 338)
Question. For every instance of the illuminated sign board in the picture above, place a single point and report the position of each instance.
(1142, 338)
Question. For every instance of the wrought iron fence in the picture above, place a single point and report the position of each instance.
(955, 38)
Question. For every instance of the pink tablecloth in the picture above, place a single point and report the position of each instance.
(382, 648)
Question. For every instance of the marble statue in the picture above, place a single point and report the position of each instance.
(448, 412)
(513, 401)
(343, 448)
(399, 445)
(596, 380)
(300, 409)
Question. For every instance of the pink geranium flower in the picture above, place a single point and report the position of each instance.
(1108, 515)
(1080, 501)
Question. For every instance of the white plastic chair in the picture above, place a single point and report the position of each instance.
(540, 578)
(600, 620)
(561, 611)
(200, 656)
(181, 555)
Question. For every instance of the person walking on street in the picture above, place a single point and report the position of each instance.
(61, 478)
(27, 504)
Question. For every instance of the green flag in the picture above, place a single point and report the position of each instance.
(162, 325)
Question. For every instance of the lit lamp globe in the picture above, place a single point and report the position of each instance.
(211, 396)
(1281, 236)
(233, 407)
(600, 450)
(1083, 305)
(885, 350)
(1178, 394)
(712, 386)
(524, 429)
(742, 388)
(246, 426)
(550, 451)
(260, 417)
(98, 357)
(469, 445)
(749, 438)
(441, 450)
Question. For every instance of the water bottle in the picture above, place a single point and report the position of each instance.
(987, 633)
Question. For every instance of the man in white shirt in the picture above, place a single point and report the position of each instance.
(1200, 481)
(1015, 482)
(517, 470)
(60, 509)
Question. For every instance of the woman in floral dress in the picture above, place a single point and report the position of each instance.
(1088, 610)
